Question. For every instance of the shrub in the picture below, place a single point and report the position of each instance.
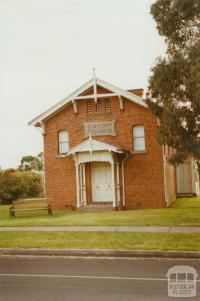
(15, 184)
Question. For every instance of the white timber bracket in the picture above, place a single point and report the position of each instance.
(121, 103)
(74, 102)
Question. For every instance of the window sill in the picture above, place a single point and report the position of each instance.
(61, 156)
(139, 152)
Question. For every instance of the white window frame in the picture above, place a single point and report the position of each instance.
(137, 137)
(63, 142)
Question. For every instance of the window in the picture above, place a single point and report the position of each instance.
(138, 138)
(89, 106)
(63, 139)
(99, 105)
(107, 105)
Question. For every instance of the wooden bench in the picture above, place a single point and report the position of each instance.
(30, 205)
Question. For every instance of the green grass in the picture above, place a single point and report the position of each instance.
(101, 240)
(184, 212)
(186, 203)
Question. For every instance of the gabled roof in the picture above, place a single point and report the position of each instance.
(76, 95)
(92, 145)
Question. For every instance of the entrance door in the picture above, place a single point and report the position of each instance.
(101, 182)
(184, 177)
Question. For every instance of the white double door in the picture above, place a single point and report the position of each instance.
(101, 182)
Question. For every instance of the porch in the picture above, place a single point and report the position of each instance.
(100, 176)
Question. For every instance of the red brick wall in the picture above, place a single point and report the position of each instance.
(143, 172)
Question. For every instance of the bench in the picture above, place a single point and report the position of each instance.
(30, 205)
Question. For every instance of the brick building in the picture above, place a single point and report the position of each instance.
(100, 147)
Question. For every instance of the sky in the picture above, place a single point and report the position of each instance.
(48, 49)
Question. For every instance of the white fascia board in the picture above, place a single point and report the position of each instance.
(61, 103)
(128, 95)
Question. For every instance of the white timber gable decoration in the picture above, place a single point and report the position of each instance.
(75, 96)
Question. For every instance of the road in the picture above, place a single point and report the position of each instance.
(65, 278)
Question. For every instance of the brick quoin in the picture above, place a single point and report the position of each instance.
(144, 172)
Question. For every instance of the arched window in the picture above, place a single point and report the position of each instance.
(138, 138)
(63, 140)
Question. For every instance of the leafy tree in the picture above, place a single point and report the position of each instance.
(178, 21)
(15, 184)
(12, 186)
(174, 85)
(32, 162)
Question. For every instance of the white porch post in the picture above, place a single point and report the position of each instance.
(77, 185)
(123, 182)
(118, 184)
(81, 184)
(84, 187)
(113, 183)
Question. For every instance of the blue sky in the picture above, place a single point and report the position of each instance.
(48, 49)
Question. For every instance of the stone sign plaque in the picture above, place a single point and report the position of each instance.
(99, 128)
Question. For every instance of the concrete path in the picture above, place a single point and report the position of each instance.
(107, 229)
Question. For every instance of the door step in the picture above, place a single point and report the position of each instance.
(97, 207)
(184, 195)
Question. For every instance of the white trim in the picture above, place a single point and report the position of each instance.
(113, 182)
(92, 96)
(74, 102)
(81, 184)
(43, 128)
(118, 184)
(77, 186)
(97, 156)
(121, 104)
(61, 103)
(123, 181)
(91, 145)
(128, 95)
(84, 187)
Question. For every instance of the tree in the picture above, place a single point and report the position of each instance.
(32, 162)
(12, 186)
(15, 184)
(174, 85)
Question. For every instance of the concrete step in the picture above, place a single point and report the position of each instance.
(97, 207)
(185, 195)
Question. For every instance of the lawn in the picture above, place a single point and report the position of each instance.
(101, 240)
(184, 212)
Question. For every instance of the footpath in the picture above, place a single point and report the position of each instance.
(181, 229)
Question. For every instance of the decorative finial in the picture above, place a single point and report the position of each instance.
(94, 73)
